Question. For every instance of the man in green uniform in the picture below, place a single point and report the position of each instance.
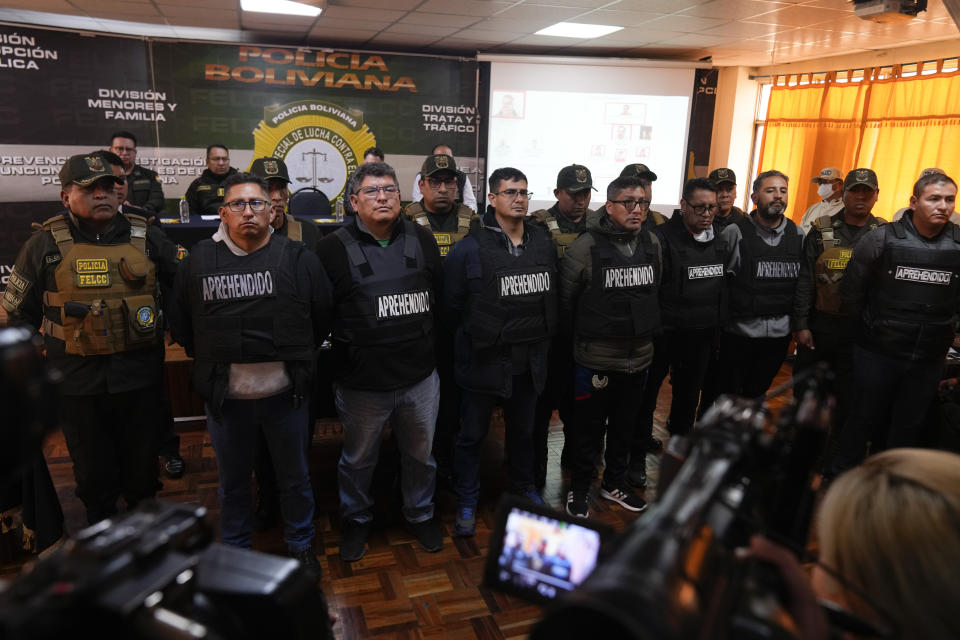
(205, 194)
(143, 185)
(439, 210)
(274, 171)
(725, 181)
(89, 277)
(820, 327)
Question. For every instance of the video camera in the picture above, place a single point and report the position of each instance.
(673, 573)
(153, 572)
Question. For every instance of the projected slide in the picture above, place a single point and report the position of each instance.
(539, 132)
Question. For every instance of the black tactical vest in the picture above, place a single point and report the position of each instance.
(914, 298)
(621, 299)
(767, 278)
(392, 299)
(247, 308)
(694, 296)
(515, 300)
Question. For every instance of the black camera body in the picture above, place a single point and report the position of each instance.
(673, 574)
(154, 573)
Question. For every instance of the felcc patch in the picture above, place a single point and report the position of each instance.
(92, 272)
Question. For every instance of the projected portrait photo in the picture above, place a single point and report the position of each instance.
(508, 104)
(598, 151)
(621, 133)
(624, 112)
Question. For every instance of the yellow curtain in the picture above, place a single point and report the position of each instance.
(897, 127)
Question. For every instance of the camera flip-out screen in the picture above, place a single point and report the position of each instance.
(538, 554)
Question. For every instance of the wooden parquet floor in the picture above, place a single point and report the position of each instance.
(397, 590)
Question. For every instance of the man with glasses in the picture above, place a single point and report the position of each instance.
(438, 210)
(766, 248)
(465, 193)
(693, 305)
(143, 185)
(251, 306)
(608, 287)
(500, 295)
(646, 177)
(205, 194)
(274, 171)
(387, 276)
(90, 280)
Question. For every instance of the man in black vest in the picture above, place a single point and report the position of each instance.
(500, 296)
(274, 171)
(205, 194)
(143, 185)
(608, 287)
(90, 278)
(821, 329)
(386, 275)
(765, 261)
(693, 305)
(250, 307)
(902, 288)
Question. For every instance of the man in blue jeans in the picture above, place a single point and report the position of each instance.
(386, 278)
(501, 298)
(250, 307)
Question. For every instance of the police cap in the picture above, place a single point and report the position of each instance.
(638, 171)
(270, 169)
(85, 169)
(437, 163)
(721, 175)
(861, 176)
(575, 178)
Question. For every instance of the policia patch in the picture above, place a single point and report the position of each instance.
(92, 272)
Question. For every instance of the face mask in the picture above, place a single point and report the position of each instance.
(825, 190)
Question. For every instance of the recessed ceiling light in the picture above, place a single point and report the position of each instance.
(285, 7)
(577, 30)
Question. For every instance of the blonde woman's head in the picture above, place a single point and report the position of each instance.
(891, 527)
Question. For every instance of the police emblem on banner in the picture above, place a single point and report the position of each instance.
(146, 318)
(321, 143)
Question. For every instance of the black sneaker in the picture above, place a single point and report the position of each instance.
(623, 497)
(637, 475)
(353, 546)
(308, 561)
(174, 466)
(428, 535)
(577, 504)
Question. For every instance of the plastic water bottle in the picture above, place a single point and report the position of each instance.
(184, 210)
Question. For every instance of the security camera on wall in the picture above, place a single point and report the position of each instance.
(888, 11)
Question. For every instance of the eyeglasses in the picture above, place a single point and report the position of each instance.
(699, 209)
(513, 194)
(436, 183)
(237, 206)
(370, 192)
(630, 205)
(123, 149)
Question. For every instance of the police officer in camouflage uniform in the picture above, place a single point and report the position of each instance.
(439, 210)
(725, 182)
(89, 277)
(274, 171)
(820, 327)
(205, 194)
(565, 220)
(143, 185)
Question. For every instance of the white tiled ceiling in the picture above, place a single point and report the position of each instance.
(729, 32)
